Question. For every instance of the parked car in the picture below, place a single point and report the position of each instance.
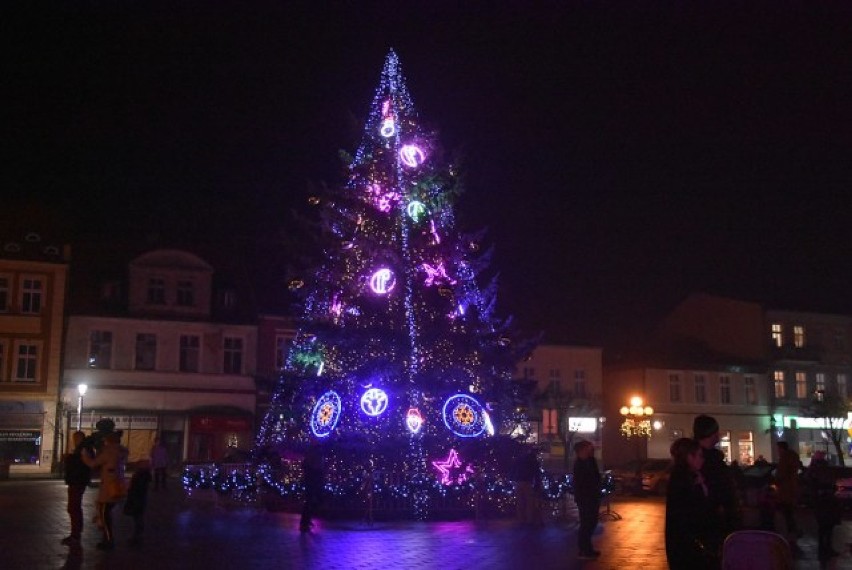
(654, 476)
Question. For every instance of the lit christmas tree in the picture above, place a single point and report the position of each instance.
(399, 368)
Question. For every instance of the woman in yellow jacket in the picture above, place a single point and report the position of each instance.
(110, 459)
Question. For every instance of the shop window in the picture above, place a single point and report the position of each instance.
(725, 445)
(745, 442)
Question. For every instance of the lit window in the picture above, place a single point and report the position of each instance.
(820, 386)
(777, 336)
(156, 291)
(31, 295)
(27, 365)
(750, 392)
(724, 389)
(189, 353)
(185, 294)
(674, 388)
(233, 353)
(801, 385)
(798, 336)
(700, 390)
(100, 349)
(780, 390)
(146, 351)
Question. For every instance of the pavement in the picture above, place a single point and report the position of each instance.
(203, 532)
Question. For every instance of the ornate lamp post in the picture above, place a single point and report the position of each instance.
(81, 391)
(637, 423)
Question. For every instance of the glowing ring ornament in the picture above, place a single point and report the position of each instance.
(415, 209)
(383, 281)
(326, 414)
(464, 416)
(374, 402)
(413, 420)
(388, 128)
(411, 155)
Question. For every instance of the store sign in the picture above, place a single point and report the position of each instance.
(28, 436)
(582, 425)
(121, 422)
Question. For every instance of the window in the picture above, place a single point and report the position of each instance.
(841, 387)
(798, 336)
(554, 375)
(820, 386)
(700, 390)
(724, 389)
(4, 293)
(839, 340)
(185, 293)
(146, 351)
(282, 343)
(31, 294)
(750, 392)
(777, 335)
(233, 352)
(780, 391)
(674, 388)
(189, 353)
(26, 367)
(100, 349)
(156, 291)
(580, 383)
(801, 385)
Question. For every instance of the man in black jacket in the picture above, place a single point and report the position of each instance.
(587, 495)
(77, 477)
(719, 477)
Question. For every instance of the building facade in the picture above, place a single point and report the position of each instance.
(164, 353)
(33, 278)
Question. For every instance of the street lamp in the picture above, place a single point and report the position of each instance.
(637, 419)
(81, 391)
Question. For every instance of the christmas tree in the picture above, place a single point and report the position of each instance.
(400, 371)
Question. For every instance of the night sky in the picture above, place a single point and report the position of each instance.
(622, 155)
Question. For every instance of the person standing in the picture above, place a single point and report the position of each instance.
(826, 507)
(717, 475)
(527, 475)
(137, 499)
(159, 463)
(313, 479)
(112, 486)
(693, 530)
(587, 495)
(78, 475)
(787, 481)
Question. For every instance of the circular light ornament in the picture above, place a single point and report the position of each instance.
(463, 416)
(382, 281)
(326, 414)
(413, 420)
(388, 128)
(415, 210)
(374, 402)
(411, 155)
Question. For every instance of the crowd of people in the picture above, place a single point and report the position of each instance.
(106, 458)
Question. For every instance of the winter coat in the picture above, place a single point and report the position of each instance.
(722, 487)
(76, 471)
(587, 481)
(137, 494)
(787, 477)
(693, 527)
(110, 459)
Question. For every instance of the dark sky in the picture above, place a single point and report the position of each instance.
(622, 155)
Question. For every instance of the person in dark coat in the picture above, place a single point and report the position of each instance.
(313, 479)
(527, 473)
(717, 475)
(693, 530)
(137, 499)
(821, 482)
(78, 475)
(587, 494)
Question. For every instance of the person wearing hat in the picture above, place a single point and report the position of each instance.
(720, 480)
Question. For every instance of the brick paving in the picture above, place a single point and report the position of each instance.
(201, 533)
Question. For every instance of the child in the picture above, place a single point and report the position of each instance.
(137, 498)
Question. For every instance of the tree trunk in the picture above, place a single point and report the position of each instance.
(837, 437)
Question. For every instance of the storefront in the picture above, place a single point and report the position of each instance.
(137, 430)
(22, 426)
(215, 437)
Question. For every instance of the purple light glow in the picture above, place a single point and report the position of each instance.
(411, 155)
(451, 470)
(382, 281)
(413, 420)
(436, 274)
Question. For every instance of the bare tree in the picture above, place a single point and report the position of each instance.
(833, 410)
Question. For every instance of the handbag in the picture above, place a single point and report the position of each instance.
(116, 489)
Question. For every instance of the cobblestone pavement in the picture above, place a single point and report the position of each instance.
(200, 533)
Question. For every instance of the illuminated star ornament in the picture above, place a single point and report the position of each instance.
(452, 471)
(374, 402)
